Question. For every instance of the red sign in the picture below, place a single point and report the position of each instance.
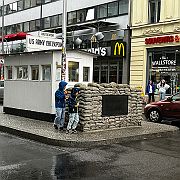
(162, 39)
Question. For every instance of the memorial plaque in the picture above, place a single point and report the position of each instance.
(114, 105)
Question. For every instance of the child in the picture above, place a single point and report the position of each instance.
(73, 111)
(60, 103)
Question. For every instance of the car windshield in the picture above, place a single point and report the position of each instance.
(176, 97)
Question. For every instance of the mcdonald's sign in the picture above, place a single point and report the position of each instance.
(118, 48)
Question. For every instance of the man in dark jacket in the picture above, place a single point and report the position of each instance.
(73, 111)
(60, 104)
(150, 89)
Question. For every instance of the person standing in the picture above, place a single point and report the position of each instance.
(162, 86)
(60, 105)
(73, 111)
(150, 89)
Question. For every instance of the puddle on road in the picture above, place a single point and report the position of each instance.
(67, 167)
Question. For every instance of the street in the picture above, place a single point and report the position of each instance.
(155, 159)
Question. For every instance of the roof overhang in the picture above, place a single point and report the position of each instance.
(83, 26)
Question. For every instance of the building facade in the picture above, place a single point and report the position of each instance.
(85, 21)
(155, 43)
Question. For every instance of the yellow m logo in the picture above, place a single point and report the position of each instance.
(119, 46)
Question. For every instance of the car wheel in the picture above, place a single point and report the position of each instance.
(154, 115)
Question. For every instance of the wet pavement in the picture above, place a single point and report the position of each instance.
(153, 159)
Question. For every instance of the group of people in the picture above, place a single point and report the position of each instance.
(61, 98)
(151, 88)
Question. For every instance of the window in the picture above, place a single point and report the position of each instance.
(72, 19)
(54, 21)
(154, 11)
(113, 9)
(46, 1)
(38, 24)
(60, 20)
(73, 68)
(33, 3)
(1, 11)
(47, 22)
(32, 25)
(34, 72)
(20, 5)
(46, 72)
(19, 27)
(86, 74)
(123, 6)
(102, 11)
(81, 15)
(22, 72)
(26, 26)
(14, 9)
(90, 14)
(27, 4)
(9, 72)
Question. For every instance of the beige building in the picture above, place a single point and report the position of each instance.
(155, 43)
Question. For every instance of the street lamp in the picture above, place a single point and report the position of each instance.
(63, 60)
(2, 33)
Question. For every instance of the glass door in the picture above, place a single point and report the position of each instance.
(113, 73)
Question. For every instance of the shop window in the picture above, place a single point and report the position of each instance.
(22, 72)
(123, 7)
(102, 11)
(20, 5)
(154, 11)
(73, 69)
(72, 19)
(46, 72)
(113, 9)
(86, 74)
(34, 72)
(9, 72)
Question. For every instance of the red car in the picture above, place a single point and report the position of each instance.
(166, 109)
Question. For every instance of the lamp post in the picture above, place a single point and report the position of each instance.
(2, 33)
(63, 60)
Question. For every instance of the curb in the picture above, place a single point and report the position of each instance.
(69, 143)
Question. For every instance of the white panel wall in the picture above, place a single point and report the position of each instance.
(28, 94)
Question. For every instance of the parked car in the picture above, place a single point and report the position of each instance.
(1, 91)
(166, 109)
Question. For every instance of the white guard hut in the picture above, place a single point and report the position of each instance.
(32, 78)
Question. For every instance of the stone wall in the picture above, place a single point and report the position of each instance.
(90, 108)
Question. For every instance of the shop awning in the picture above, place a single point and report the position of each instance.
(14, 37)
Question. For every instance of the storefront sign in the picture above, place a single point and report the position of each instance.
(164, 65)
(118, 48)
(162, 39)
(102, 51)
(47, 34)
(34, 43)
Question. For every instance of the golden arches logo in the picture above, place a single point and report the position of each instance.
(119, 46)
